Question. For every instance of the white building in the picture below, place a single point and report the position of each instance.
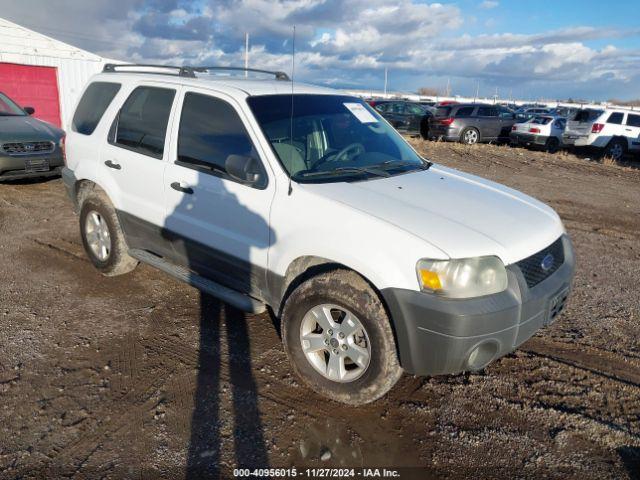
(40, 72)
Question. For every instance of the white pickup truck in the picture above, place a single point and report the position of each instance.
(376, 260)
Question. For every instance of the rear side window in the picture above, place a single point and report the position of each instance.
(92, 106)
(142, 123)
(487, 112)
(615, 118)
(587, 115)
(210, 131)
(633, 120)
(464, 112)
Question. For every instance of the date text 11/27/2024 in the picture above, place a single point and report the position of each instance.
(318, 473)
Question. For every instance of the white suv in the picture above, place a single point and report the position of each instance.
(614, 130)
(375, 260)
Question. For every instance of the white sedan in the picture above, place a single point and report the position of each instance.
(543, 131)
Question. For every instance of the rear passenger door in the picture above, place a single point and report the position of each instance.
(632, 130)
(489, 122)
(135, 158)
(218, 226)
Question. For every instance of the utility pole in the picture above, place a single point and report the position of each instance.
(477, 92)
(448, 87)
(385, 81)
(246, 53)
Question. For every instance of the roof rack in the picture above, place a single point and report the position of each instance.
(184, 71)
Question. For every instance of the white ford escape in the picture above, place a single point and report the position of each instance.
(375, 260)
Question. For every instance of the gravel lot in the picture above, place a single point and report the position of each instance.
(140, 376)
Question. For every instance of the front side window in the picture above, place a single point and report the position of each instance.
(94, 102)
(615, 118)
(633, 120)
(141, 125)
(210, 131)
(487, 112)
(335, 138)
(8, 108)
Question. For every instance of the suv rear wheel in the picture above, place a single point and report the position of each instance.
(102, 235)
(338, 338)
(616, 148)
(470, 136)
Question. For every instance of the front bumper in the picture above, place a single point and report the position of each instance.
(440, 336)
(522, 138)
(28, 166)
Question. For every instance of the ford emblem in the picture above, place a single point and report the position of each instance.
(547, 262)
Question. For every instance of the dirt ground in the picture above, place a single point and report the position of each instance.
(141, 377)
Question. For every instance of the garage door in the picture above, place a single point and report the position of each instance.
(32, 86)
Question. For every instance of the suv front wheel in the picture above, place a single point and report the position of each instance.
(102, 235)
(338, 338)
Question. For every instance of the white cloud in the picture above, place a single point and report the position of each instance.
(489, 4)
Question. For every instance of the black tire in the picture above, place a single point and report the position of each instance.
(349, 290)
(470, 136)
(616, 148)
(553, 144)
(118, 261)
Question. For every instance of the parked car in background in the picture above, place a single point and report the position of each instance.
(28, 147)
(542, 131)
(527, 113)
(566, 112)
(471, 123)
(405, 116)
(614, 131)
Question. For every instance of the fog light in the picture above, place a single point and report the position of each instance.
(482, 355)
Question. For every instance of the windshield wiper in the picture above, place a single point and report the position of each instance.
(341, 170)
(396, 164)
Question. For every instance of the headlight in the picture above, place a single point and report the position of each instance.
(462, 278)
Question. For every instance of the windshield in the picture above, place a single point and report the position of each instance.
(332, 138)
(541, 120)
(8, 107)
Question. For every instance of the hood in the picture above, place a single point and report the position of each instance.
(27, 129)
(462, 215)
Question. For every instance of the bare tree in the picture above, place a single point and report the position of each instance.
(428, 91)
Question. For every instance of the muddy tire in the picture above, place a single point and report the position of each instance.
(350, 355)
(102, 236)
(470, 136)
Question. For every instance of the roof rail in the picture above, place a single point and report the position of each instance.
(278, 75)
(180, 71)
(184, 71)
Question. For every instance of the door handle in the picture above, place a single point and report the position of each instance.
(115, 166)
(180, 188)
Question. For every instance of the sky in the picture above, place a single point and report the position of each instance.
(527, 49)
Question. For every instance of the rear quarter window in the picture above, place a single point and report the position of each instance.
(587, 115)
(616, 118)
(464, 112)
(94, 102)
(443, 111)
(633, 120)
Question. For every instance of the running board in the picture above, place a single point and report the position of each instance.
(227, 295)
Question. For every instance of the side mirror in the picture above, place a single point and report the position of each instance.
(29, 110)
(243, 169)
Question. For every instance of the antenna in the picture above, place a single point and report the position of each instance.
(246, 54)
(293, 67)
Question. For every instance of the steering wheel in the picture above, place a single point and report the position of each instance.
(351, 150)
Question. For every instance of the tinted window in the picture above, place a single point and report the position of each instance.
(464, 112)
(382, 107)
(487, 112)
(414, 109)
(142, 123)
(443, 111)
(615, 118)
(210, 131)
(541, 120)
(92, 106)
(633, 120)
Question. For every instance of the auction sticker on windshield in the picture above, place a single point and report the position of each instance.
(361, 113)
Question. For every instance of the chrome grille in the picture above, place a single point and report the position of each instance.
(28, 148)
(532, 267)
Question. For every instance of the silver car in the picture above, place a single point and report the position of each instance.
(471, 123)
